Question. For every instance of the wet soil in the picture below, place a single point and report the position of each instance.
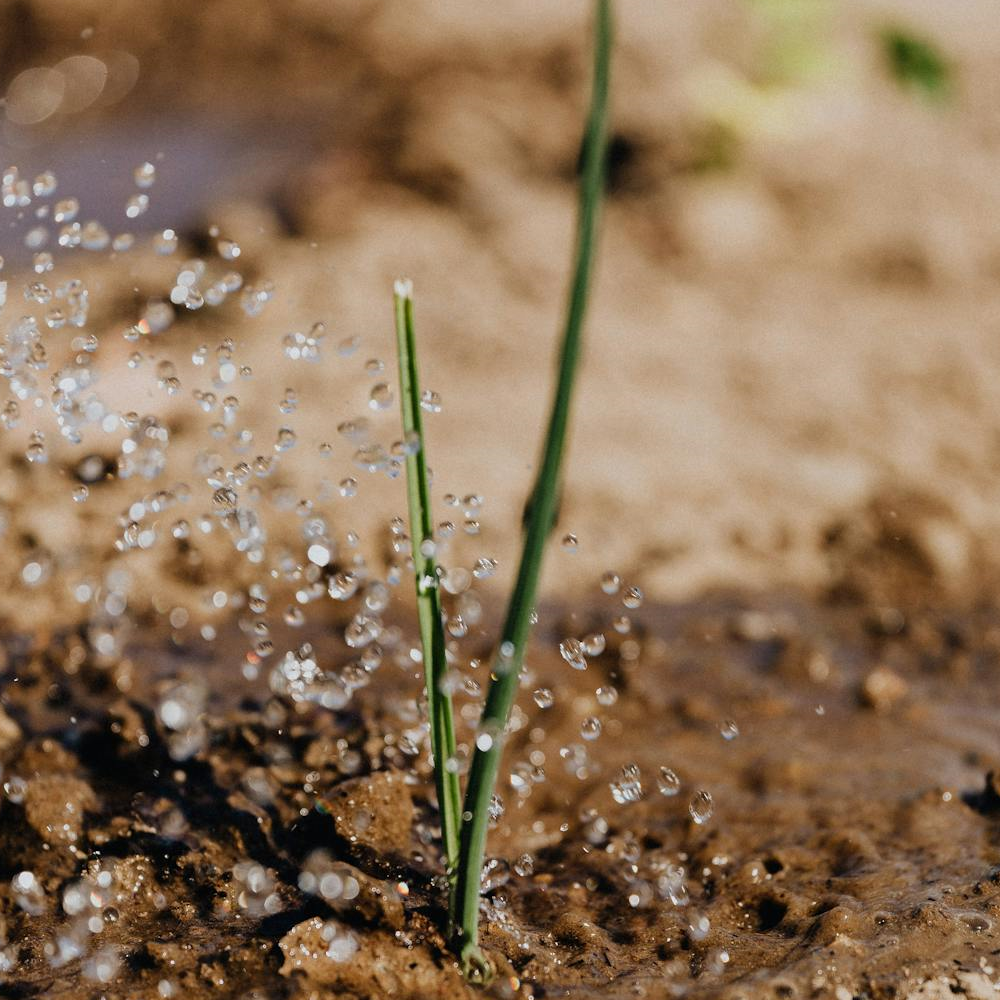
(854, 847)
(787, 435)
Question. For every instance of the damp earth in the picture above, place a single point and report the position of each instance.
(780, 794)
(755, 751)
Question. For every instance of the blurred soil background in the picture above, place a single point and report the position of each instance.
(795, 307)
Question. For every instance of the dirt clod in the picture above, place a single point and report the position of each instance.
(55, 805)
(376, 811)
(326, 953)
(10, 734)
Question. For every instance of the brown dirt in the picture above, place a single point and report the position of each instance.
(853, 850)
(787, 434)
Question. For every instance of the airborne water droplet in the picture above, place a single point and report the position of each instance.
(285, 439)
(544, 698)
(136, 205)
(729, 730)
(65, 210)
(667, 782)
(632, 598)
(44, 185)
(228, 250)
(628, 787)
(144, 175)
(430, 401)
(524, 866)
(496, 809)
(381, 397)
(607, 696)
(319, 554)
(701, 806)
(571, 651)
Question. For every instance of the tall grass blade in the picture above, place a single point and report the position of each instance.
(425, 575)
(539, 523)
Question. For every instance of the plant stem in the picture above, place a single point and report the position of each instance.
(425, 576)
(539, 523)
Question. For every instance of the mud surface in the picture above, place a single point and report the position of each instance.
(852, 850)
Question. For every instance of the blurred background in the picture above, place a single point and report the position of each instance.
(795, 314)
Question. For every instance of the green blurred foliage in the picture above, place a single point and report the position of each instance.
(917, 64)
(795, 47)
(714, 147)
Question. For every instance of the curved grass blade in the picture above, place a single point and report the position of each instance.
(540, 520)
(425, 575)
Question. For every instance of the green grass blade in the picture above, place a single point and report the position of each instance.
(540, 520)
(425, 575)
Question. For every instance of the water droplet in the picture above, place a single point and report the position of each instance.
(571, 651)
(293, 616)
(590, 728)
(285, 440)
(225, 498)
(667, 782)
(65, 210)
(319, 554)
(496, 809)
(165, 242)
(28, 893)
(701, 806)
(457, 580)
(544, 698)
(144, 175)
(228, 250)
(15, 788)
(381, 397)
(253, 298)
(135, 206)
(44, 184)
(524, 866)
(632, 598)
(484, 568)
(430, 401)
(628, 787)
(611, 583)
(570, 542)
(729, 730)
(35, 451)
(671, 885)
(348, 346)
(607, 696)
